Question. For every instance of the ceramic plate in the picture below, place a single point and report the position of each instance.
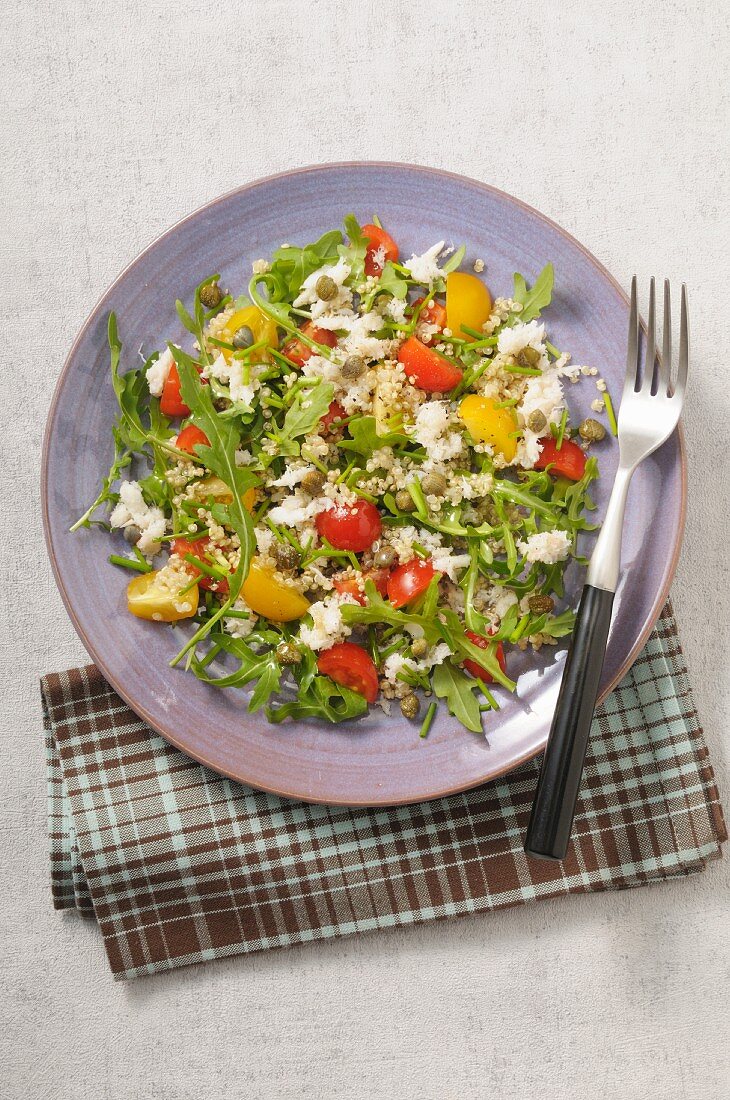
(378, 760)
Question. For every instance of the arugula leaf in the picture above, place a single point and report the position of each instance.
(392, 282)
(535, 299)
(454, 260)
(292, 265)
(304, 413)
(454, 634)
(378, 610)
(354, 251)
(365, 437)
(321, 698)
(457, 689)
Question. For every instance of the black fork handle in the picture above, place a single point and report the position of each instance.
(553, 808)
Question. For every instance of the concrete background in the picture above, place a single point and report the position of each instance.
(120, 118)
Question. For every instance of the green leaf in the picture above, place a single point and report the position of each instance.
(535, 299)
(321, 698)
(458, 691)
(304, 414)
(454, 260)
(365, 438)
(354, 251)
(292, 265)
(392, 282)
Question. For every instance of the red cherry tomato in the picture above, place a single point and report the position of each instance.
(198, 547)
(377, 238)
(349, 586)
(427, 368)
(433, 314)
(189, 436)
(477, 670)
(569, 461)
(355, 527)
(409, 580)
(334, 412)
(171, 402)
(350, 665)
(297, 352)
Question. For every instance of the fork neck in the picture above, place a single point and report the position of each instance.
(605, 563)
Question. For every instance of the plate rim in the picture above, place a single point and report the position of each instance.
(138, 707)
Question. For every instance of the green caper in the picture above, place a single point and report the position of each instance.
(210, 295)
(285, 556)
(243, 338)
(384, 557)
(313, 482)
(434, 484)
(537, 421)
(353, 367)
(419, 647)
(132, 534)
(409, 705)
(528, 357)
(591, 430)
(326, 288)
(540, 605)
(404, 501)
(288, 654)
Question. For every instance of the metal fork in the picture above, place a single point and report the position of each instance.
(651, 405)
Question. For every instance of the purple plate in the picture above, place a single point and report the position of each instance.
(378, 760)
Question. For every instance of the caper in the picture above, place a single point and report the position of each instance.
(537, 421)
(419, 647)
(528, 357)
(384, 557)
(210, 295)
(404, 501)
(540, 605)
(285, 555)
(313, 482)
(490, 514)
(326, 288)
(243, 337)
(353, 367)
(132, 534)
(591, 430)
(288, 654)
(434, 484)
(409, 705)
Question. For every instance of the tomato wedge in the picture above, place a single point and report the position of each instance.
(353, 527)
(189, 436)
(348, 585)
(429, 370)
(569, 461)
(198, 548)
(477, 670)
(334, 412)
(350, 665)
(171, 402)
(378, 239)
(297, 352)
(433, 314)
(409, 580)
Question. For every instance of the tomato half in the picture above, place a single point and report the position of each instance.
(429, 370)
(198, 547)
(147, 598)
(171, 402)
(188, 438)
(334, 412)
(489, 424)
(468, 302)
(297, 352)
(348, 586)
(377, 238)
(409, 580)
(569, 461)
(433, 314)
(477, 670)
(350, 665)
(354, 527)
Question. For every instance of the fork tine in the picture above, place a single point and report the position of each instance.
(683, 366)
(650, 357)
(632, 354)
(665, 366)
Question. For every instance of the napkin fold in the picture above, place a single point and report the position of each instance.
(180, 865)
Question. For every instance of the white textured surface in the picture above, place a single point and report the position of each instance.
(118, 119)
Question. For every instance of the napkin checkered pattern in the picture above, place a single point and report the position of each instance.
(179, 865)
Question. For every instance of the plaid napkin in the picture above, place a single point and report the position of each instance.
(179, 865)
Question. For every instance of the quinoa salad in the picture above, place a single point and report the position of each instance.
(358, 481)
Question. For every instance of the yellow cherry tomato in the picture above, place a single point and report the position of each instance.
(149, 598)
(216, 488)
(468, 302)
(272, 598)
(488, 424)
(262, 327)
